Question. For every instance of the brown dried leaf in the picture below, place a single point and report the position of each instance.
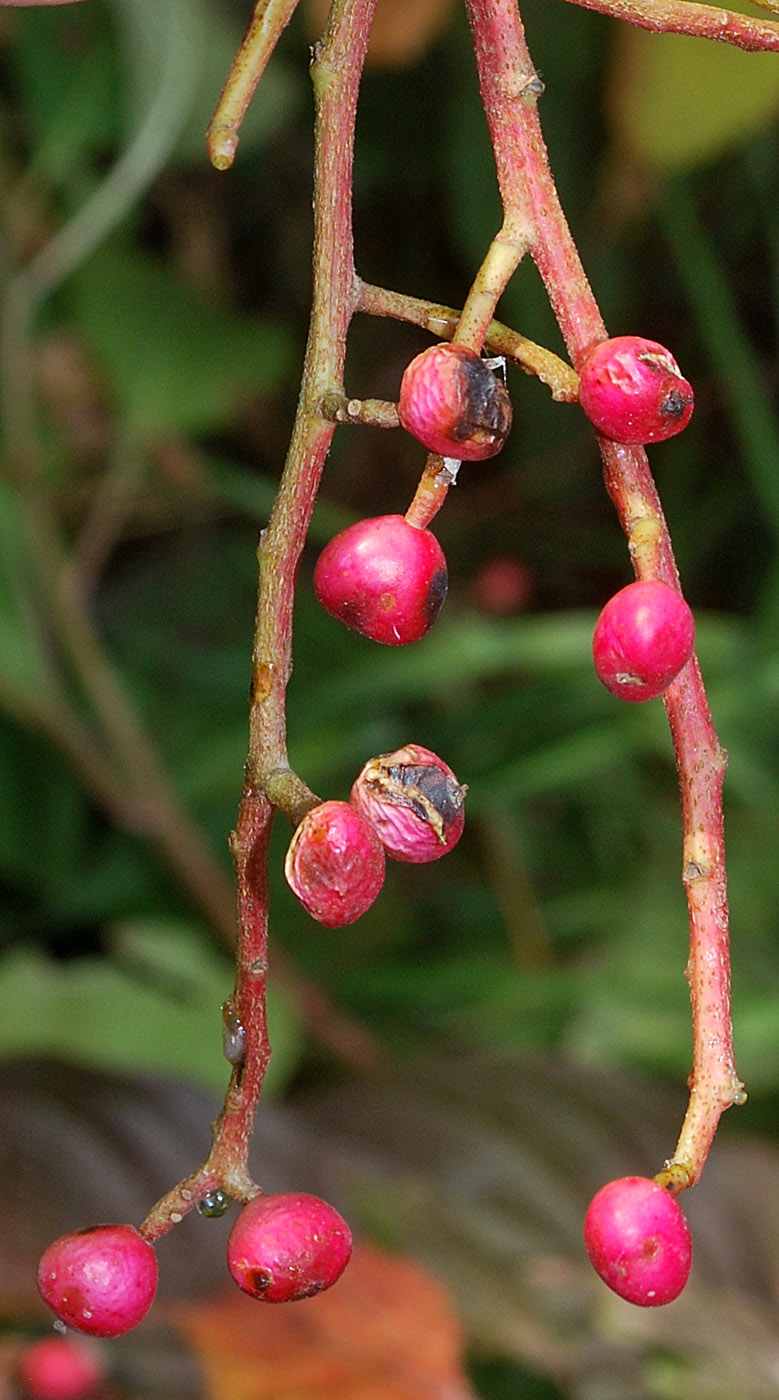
(402, 29)
(386, 1331)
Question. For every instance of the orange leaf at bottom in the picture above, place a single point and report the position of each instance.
(385, 1331)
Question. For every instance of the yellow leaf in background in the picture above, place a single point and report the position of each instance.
(677, 102)
(402, 29)
(386, 1331)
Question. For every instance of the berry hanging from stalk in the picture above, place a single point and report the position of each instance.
(453, 403)
(383, 578)
(642, 639)
(414, 801)
(633, 391)
(287, 1247)
(100, 1280)
(638, 1241)
(335, 864)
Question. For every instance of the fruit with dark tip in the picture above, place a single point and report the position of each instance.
(286, 1247)
(383, 578)
(633, 391)
(414, 801)
(451, 401)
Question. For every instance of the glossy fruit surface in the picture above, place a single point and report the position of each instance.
(414, 801)
(638, 1241)
(100, 1280)
(633, 391)
(642, 639)
(335, 864)
(286, 1247)
(59, 1368)
(383, 578)
(453, 403)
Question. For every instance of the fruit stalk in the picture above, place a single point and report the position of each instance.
(509, 94)
(686, 17)
(269, 782)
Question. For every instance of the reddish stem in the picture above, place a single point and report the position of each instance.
(509, 89)
(336, 70)
(685, 17)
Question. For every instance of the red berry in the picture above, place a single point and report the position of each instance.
(453, 403)
(383, 578)
(335, 864)
(642, 639)
(282, 1248)
(59, 1368)
(633, 391)
(100, 1280)
(638, 1241)
(414, 801)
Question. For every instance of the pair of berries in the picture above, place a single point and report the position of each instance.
(281, 1248)
(383, 577)
(407, 805)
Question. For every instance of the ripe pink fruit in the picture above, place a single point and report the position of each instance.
(59, 1368)
(282, 1248)
(638, 1241)
(335, 864)
(453, 403)
(383, 578)
(101, 1280)
(642, 639)
(414, 801)
(633, 391)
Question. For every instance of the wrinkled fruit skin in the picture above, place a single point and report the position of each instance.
(383, 578)
(453, 403)
(638, 1241)
(335, 864)
(59, 1368)
(633, 391)
(283, 1248)
(100, 1280)
(414, 801)
(642, 639)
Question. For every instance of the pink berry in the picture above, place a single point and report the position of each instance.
(335, 864)
(638, 1241)
(282, 1248)
(101, 1280)
(642, 639)
(633, 391)
(453, 403)
(59, 1368)
(383, 578)
(414, 801)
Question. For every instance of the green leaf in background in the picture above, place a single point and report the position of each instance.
(154, 1006)
(176, 363)
(677, 102)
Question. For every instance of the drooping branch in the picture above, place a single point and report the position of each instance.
(509, 95)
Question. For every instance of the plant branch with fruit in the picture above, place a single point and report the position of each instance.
(386, 578)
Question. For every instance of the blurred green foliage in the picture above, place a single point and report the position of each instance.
(149, 401)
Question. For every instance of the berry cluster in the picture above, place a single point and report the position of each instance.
(386, 578)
